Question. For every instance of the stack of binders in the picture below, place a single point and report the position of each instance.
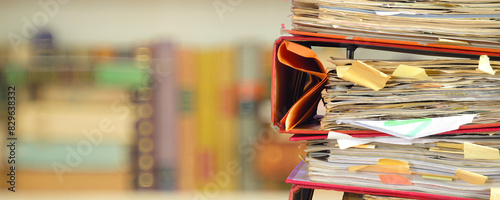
(419, 129)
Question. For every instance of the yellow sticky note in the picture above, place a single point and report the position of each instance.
(495, 194)
(441, 178)
(365, 146)
(363, 74)
(387, 161)
(450, 145)
(406, 71)
(342, 70)
(394, 179)
(436, 149)
(484, 65)
(474, 151)
(471, 177)
(397, 169)
(356, 168)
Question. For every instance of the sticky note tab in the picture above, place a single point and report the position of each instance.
(484, 65)
(471, 177)
(394, 179)
(474, 151)
(436, 149)
(397, 169)
(365, 146)
(363, 74)
(406, 71)
(495, 194)
(356, 168)
(387, 161)
(440, 178)
(451, 145)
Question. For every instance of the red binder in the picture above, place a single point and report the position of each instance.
(299, 77)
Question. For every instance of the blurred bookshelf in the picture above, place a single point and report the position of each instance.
(157, 117)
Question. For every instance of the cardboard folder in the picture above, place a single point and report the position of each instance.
(300, 178)
(299, 78)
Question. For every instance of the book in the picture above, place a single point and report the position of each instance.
(227, 148)
(164, 117)
(187, 119)
(206, 115)
(249, 94)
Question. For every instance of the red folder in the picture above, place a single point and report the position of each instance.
(299, 77)
(300, 179)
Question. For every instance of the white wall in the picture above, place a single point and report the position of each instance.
(81, 22)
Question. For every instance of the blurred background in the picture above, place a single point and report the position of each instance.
(116, 98)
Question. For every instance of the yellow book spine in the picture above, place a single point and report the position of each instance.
(206, 105)
(228, 135)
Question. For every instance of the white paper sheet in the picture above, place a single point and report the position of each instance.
(347, 143)
(414, 128)
(337, 135)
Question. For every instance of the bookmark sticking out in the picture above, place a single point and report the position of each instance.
(451, 145)
(363, 74)
(394, 179)
(365, 146)
(388, 161)
(495, 194)
(406, 71)
(436, 149)
(303, 159)
(484, 65)
(434, 177)
(357, 168)
(474, 151)
(471, 177)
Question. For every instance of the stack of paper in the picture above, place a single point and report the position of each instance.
(451, 166)
(401, 20)
(436, 95)
(413, 101)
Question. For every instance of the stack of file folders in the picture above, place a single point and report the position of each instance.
(420, 129)
(455, 22)
(423, 129)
